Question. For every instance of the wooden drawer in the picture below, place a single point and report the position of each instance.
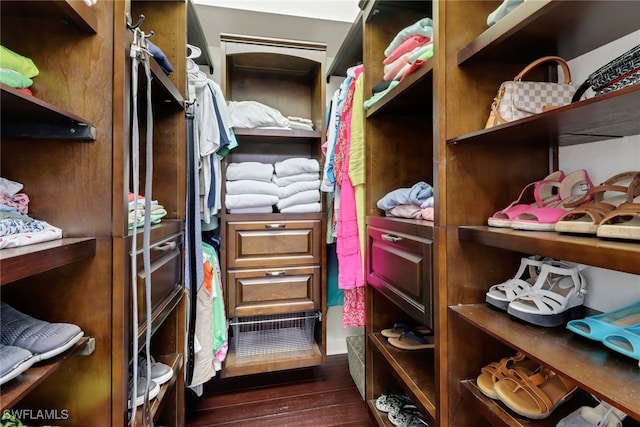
(166, 271)
(277, 243)
(400, 266)
(272, 291)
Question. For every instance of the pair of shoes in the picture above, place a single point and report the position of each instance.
(528, 389)
(618, 329)
(610, 201)
(411, 338)
(41, 340)
(160, 373)
(544, 292)
(552, 196)
(400, 410)
(602, 415)
(13, 361)
(141, 387)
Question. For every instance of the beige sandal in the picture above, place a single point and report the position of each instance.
(534, 395)
(496, 371)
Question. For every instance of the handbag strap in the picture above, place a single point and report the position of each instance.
(562, 62)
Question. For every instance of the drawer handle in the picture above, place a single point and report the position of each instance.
(391, 238)
(165, 247)
(275, 225)
(275, 273)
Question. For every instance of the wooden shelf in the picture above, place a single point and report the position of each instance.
(609, 116)
(25, 261)
(413, 95)
(76, 12)
(166, 92)
(609, 254)
(552, 27)
(25, 116)
(160, 313)
(175, 361)
(416, 227)
(611, 374)
(415, 368)
(16, 389)
(272, 135)
(350, 51)
(235, 366)
(196, 37)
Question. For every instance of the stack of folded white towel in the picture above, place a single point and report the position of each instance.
(298, 182)
(300, 123)
(249, 188)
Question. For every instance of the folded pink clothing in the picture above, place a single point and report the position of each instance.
(407, 46)
(392, 70)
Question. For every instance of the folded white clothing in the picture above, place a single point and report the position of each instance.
(303, 197)
(255, 210)
(295, 166)
(300, 126)
(299, 119)
(238, 201)
(251, 186)
(253, 114)
(303, 208)
(282, 181)
(296, 187)
(249, 170)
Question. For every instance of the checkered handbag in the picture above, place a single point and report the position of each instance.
(518, 99)
(621, 72)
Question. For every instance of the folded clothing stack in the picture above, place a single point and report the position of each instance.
(298, 183)
(16, 70)
(137, 211)
(249, 188)
(25, 340)
(300, 123)
(415, 202)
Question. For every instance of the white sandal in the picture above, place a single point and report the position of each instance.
(554, 305)
(502, 294)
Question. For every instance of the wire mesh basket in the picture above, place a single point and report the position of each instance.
(279, 333)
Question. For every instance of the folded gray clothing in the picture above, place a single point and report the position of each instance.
(303, 208)
(297, 187)
(43, 339)
(303, 197)
(250, 186)
(286, 180)
(249, 170)
(295, 166)
(256, 210)
(13, 361)
(237, 201)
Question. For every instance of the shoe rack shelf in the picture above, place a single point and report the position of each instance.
(25, 261)
(69, 11)
(22, 385)
(610, 374)
(613, 255)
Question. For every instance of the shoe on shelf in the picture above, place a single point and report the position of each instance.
(43, 339)
(545, 192)
(501, 294)
(573, 189)
(392, 402)
(496, 371)
(412, 340)
(554, 299)
(142, 384)
(623, 222)
(407, 415)
(625, 341)
(598, 326)
(160, 373)
(602, 415)
(535, 395)
(606, 197)
(399, 327)
(13, 361)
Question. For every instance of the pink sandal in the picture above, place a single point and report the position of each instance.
(544, 218)
(545, 193)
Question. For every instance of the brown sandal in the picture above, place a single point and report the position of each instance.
(534, 395)
(495, 371)
(585, 218)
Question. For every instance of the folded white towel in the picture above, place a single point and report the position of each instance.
(303, 197)
(301, 126)
(287, 180)
(295, 166)
(249, 170)
(251, 186)
(238, 201)
(303, 208)
(300, 120)
(296, 187)
(256, 210)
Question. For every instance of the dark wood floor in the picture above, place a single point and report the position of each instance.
(321, 396)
